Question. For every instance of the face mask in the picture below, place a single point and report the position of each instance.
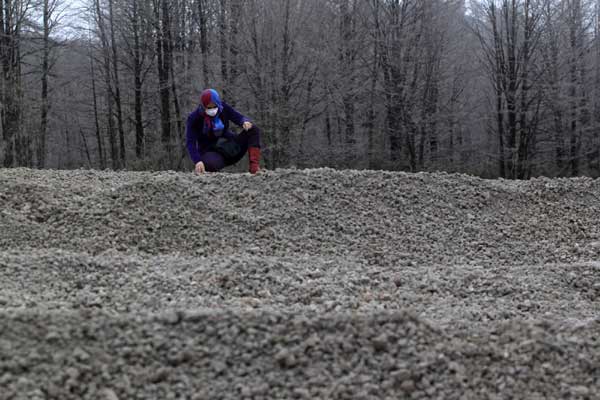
(211, 112)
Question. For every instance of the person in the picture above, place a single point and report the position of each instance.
(211, 144)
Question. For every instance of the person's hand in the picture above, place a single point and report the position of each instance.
(200, 167)
(247, 125)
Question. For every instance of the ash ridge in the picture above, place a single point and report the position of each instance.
(297, 284)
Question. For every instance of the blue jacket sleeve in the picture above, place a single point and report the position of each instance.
(191, 138)
(233, 115)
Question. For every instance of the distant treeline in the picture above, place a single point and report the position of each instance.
(507, 88)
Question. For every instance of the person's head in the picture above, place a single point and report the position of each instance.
(211, 102)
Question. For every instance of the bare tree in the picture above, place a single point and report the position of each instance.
(106, 50)
(579, 115)
(49, 8)
(204, 44)
(12, 17)
(567, 81)
(136, 36)
(99, 137)
(117, 85)
(509, 39)
(163, 53)
(594, 156)
(348, 51)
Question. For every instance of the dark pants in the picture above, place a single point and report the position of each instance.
(215, 161)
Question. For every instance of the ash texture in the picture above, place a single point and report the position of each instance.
(306, 284)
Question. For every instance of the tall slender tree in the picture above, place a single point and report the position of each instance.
(117, 85)
(12, 17)
(163, 57)
(510, 53)
(106, 50)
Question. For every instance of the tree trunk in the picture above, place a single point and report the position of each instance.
(370, 125)
(236, 10)
(224, 47)
(285, 117)
(41, 148)
(138, 83)
(525, 131)
(347, 68)
(99, 139)
(179, 118)
(596, 121)
(555, 108)
(163, 55)
(117, 93)
(499, 84)
(85, 148)
(328, 134)
(204, 48)
(510, 15)
(114, 150)
(10, 60)
(576, 96)
(68, 163)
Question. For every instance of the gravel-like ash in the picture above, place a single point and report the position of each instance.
(297, 284)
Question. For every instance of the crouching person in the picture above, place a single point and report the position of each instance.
(210, 143)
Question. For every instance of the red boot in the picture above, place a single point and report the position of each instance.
(253, 159)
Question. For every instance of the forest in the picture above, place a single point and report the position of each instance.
(492, 88)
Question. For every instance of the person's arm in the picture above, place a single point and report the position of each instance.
(191, 139)
(234, 115)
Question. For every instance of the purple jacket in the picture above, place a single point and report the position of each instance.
(199, 140)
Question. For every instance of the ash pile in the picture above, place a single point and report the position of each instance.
(316, 284)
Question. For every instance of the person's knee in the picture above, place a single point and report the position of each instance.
(213, 162)
(255, 130)
(253, 136)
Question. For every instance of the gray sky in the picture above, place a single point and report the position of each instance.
(72, 18)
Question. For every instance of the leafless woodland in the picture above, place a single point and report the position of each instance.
(495, 88)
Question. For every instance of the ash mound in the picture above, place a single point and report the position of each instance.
(297, 284)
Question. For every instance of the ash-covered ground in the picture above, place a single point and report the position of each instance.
(307, 284)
